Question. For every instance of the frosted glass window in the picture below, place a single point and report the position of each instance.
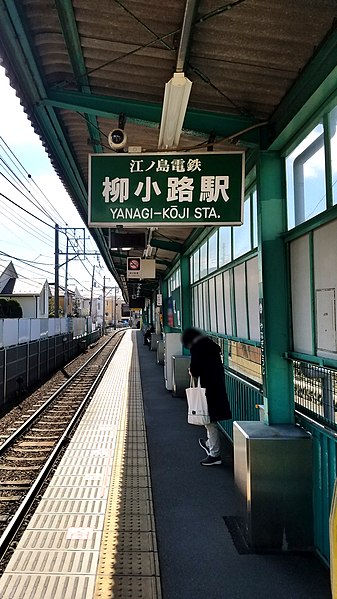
(219, 304)
(225, 248)
(213, 253)
(206, 306)
(305, 171)
(240, 301)
(201, 307)
(227, 296)
(242, 242)
(195, 307)
(212, 305)
(333, 137)
(191, 270)
(301, 295)
(203, 260)
(196, 267)
(253, 299)
(254, 217)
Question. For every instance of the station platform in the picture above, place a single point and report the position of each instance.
(130, 513)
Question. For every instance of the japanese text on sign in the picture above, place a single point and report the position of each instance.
(165, 188)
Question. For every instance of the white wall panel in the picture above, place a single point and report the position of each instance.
(240, 301)
(300, 295)
(212, 305)
(227, 295)
(253, 299)
(220, 304)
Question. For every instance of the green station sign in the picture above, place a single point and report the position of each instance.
(166, 189)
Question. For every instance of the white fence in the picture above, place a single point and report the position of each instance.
(14, 331)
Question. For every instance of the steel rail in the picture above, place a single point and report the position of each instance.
(15, 522)
(27, 424)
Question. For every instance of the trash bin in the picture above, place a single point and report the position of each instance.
(160, 352)
(154, 340)
(180, 375)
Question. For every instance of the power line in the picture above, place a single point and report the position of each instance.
(30, 177)
(27, 211)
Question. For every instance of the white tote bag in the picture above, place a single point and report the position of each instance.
(197, 405)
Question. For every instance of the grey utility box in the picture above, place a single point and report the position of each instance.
(273, 479)
(160, 352)
(154, 340)
(180, 375)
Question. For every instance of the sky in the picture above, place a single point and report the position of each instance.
(28, 240)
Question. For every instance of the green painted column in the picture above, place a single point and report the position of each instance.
(273, 290)
(186, 293)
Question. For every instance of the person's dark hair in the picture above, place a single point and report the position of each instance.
(189, 335)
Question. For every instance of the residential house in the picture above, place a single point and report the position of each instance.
(33, 296)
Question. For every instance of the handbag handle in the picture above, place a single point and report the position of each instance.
(192, 385)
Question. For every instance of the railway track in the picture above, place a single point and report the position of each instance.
(28, 455)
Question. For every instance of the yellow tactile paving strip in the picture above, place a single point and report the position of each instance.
(128, 565)
(93, 532)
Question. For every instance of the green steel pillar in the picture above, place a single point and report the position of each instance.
(186, 293)
(273, 291)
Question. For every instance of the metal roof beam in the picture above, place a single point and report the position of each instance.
(149, 113)
(162, 244)
(67, 19)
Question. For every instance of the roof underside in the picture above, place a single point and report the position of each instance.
(77, 64)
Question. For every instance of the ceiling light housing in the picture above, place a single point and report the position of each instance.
(176, 97)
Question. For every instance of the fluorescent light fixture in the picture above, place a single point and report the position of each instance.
(177, 93)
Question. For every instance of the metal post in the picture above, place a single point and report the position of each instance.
(92, 290)
(66, 282)
(103, 305)
(273, 295)
(115, 309)
(57, 249)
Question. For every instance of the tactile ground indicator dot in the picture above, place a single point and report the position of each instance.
(93, 533)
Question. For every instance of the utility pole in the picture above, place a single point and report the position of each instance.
(66, 283)
(92, 290)
(56, 295)
(104, 305)
(115, 309)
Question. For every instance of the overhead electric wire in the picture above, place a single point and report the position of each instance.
(40, 239)
(27, 197)
(27, 211)
(29, 176)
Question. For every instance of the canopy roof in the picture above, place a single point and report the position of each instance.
(76, 65)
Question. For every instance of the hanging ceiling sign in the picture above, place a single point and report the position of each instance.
(166, 189)
(133, 268)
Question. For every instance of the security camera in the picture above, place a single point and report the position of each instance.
(117, 139)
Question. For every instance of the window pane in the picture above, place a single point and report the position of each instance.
(195, 307)
(212, 303)
(253, 298)
(213, 253)
(203, 260)
(196, 266)
(219, 305)
(206, 306)
(240, 301)
(305, 170)
(201, 309)
(191, 269)
(225, 250)
(333, 134)
(242, 243)
(227, 294)
(254, 216)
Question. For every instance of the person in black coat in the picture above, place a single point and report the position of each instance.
(206, 364)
